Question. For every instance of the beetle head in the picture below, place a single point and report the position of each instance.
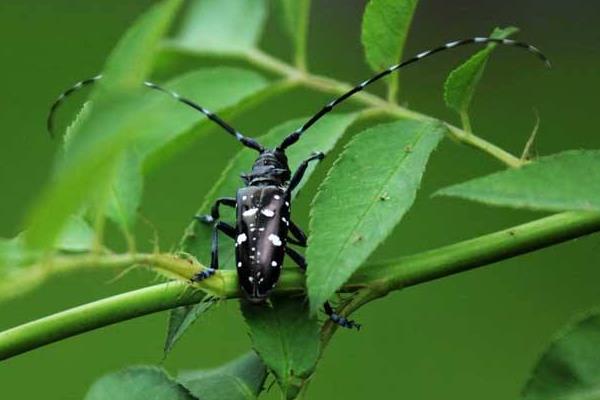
(270, 167)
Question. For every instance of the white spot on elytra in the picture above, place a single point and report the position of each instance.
(266, 212)
(277, 197)
(250, 212)
(254, 249)
(287, 203)
(274, 239)
(261, 229)
(273, 263)
(261, 280)
(250, 279)
(239, 264)
(244, 197)
(241, 238)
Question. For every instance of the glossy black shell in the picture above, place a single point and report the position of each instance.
(263, 215)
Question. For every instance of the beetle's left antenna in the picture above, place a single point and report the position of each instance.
(246, 141)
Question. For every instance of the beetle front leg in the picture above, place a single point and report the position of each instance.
(299, 174)
(214, 250)
(214, 211)
(335, 317)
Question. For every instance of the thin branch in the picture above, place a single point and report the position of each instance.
(370, 282)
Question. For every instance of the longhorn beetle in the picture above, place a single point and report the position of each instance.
(264, 229)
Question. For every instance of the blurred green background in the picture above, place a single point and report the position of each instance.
(470, 336)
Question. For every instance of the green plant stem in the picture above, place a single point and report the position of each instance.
(369, 282)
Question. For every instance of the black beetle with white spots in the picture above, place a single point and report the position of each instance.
(264, 230)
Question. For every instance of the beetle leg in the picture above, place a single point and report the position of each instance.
(299, 237)
(301, 170)
(297, 257)
(214, 211)
(214, 250)
(335, 317)
(338, 319)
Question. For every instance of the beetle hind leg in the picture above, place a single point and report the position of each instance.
(339, 319)
(333, 316)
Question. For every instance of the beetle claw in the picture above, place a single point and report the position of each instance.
(344, 322)
(205, 219)
(202, 275)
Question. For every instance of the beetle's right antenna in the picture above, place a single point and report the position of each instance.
(294, 136)
(246, 141)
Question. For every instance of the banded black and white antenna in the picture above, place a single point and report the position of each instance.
(294, 136)
(246, 141)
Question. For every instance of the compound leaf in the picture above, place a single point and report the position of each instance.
(287, 340)
(222, 26)
(370, 187)
(322, 137)
(138, 383)
(564, 181)
(84, 172)
(569, 369)
(385, 28)
(462, 81)
(240, 379)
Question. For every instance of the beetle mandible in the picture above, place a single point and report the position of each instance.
(264, 229)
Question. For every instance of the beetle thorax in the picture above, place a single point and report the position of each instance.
(270, 168)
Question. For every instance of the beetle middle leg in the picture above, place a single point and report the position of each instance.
(214, 250)
(335, 317)
(214, 211)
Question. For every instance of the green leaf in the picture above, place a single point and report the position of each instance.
(366, 193)
(222, 26)
(286, 339)
(570, 367)
(138, 383)
(241, 379)
(564, 181)
(462, 81)
(132, 59)
(98, 142)
(215, 89)
(77, 236)
(385, 27)
(294, 15)
(181, 318)
(322, 137)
